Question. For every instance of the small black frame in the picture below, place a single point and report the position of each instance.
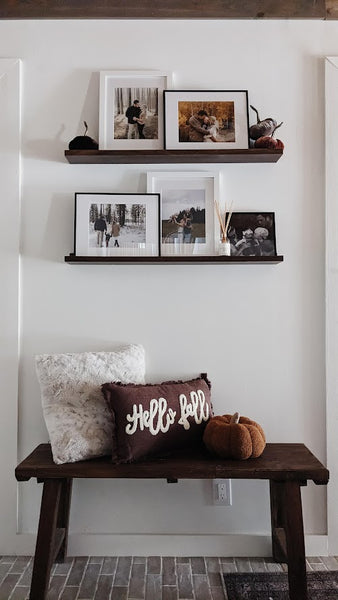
(252, 234)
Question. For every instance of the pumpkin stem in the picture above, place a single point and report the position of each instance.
(86, 127)
(235, 418)
(256, 111)
(273, 133)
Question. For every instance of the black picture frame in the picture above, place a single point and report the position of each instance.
(229, 109)
(137, 216)
(260, 239)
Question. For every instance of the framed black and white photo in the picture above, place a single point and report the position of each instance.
(131, 109)
(206, 120)
(252, 234)
(113, 224)
(187, 216)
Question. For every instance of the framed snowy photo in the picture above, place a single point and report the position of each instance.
(112, 224)
(131, 109)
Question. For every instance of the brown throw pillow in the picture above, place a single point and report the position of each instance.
(157, 419)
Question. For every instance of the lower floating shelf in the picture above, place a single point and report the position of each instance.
(110, 260)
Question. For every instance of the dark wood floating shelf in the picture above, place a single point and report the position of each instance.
(175, 9)
(109, 260)
(254, 155)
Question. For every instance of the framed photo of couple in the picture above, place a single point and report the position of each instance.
(206, 120)
(131, 109)
(187, 212)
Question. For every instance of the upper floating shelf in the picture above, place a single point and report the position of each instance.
(96, 157)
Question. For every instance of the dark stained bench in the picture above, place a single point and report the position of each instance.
(286, 466)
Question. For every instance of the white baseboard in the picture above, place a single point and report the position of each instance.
(316, 545)
(172, 545)
(168, 545)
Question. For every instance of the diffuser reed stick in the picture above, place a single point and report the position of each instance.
(224, 223)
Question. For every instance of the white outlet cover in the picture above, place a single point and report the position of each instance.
(223, 496)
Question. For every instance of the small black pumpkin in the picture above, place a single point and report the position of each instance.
(83, 142)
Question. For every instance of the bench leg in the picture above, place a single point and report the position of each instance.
(288, 534)
(294, 533)
(46, 539)
(279, 551)
(63, 517)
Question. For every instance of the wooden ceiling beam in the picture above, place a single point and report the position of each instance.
(169, 9)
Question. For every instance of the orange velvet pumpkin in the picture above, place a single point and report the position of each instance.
(232, 436)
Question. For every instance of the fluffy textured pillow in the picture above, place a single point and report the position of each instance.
(77, 418)
(157, 419)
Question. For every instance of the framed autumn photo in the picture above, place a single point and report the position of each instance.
(201, 120)
(131, 109)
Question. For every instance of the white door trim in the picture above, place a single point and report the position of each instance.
(331, 131)
(9, 298)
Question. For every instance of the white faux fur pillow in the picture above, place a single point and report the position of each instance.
(77, 418)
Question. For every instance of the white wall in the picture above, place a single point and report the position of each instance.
(257, 330)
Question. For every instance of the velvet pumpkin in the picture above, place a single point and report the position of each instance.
(267, 141)
(232, 436)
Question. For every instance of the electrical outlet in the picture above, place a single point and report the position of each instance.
(222, 492)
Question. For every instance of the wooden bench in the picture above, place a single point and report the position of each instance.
(286, 466)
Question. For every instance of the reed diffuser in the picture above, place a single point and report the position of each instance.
(224, 247)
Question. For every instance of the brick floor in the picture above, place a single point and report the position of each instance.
(137, 577)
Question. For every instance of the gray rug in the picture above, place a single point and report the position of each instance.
(322, 585)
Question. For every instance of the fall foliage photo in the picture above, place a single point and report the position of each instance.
(206, 121)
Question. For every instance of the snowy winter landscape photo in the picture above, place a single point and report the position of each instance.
(116, 225)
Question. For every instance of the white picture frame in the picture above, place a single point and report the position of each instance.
(193, 192)
(130, 220)
(118, 91)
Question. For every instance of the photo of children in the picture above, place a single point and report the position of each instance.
(252, 234)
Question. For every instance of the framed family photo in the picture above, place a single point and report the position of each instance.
(187, 216)
(113, 224)
(252, 234)
(131, 109)
(201, 120)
